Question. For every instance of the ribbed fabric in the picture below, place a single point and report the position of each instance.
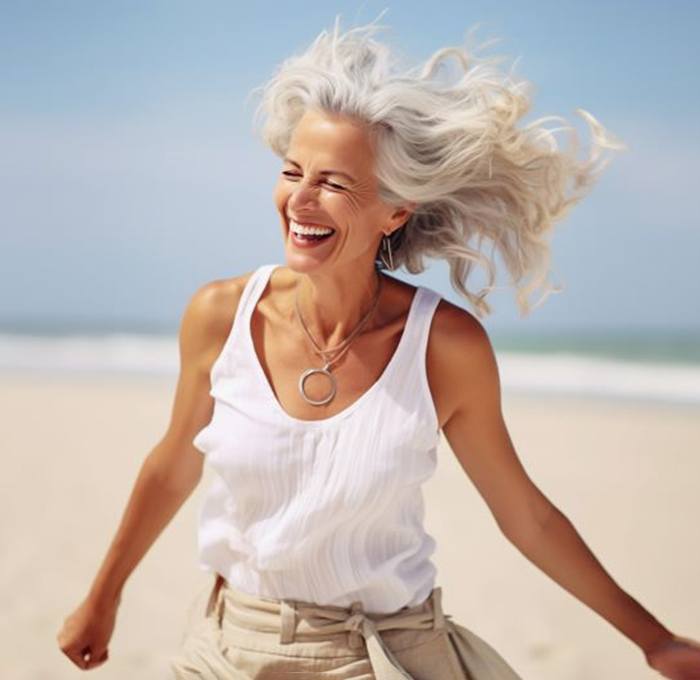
(327, 511)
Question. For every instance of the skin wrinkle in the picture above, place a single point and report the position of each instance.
(339, 173)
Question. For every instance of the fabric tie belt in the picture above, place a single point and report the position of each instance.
(299, 619)
(232, 613)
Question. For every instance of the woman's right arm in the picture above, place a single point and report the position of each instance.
(167, 477)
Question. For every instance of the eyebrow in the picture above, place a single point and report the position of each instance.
(324, 172)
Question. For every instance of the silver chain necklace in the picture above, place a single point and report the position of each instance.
(340, 349)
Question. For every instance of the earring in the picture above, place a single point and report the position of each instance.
(386, 245)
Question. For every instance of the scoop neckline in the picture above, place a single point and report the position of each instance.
(261, 284)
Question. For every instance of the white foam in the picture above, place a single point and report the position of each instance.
(533, 373)
(150, 354)
(569, 373)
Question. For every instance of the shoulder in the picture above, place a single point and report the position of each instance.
(461, 357)
(213, 304)
(208, 315)
(457, 330)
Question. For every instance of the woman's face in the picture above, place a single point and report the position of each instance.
(327, 179)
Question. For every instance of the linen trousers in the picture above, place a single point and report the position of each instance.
(243, 636)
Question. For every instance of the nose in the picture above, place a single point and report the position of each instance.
(303, 194)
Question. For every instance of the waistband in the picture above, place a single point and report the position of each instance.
(298, 620)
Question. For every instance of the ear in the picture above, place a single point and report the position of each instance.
(401, 215)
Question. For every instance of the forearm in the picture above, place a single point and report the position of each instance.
(560, 552)
(152, 504)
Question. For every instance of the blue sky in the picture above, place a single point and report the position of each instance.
(130, 175)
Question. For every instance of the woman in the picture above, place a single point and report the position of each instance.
(318, 390)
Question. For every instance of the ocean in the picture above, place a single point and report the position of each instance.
(651, 365)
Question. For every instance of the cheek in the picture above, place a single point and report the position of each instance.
(345, 206)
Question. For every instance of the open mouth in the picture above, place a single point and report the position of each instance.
(309, 235)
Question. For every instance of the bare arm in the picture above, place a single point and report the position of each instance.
(479, 439)
(168, 475)
(173, 468)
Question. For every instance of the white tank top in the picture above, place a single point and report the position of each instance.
(327, 511)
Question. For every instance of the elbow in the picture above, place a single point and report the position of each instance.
(523, 527)
(182, 478)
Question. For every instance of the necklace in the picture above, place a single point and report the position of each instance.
(340, 349)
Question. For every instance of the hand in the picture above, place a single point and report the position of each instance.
(86, 633)
(677, 658)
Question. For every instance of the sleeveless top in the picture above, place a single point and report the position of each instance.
(327, 511)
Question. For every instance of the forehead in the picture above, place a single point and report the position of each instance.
(327, 140)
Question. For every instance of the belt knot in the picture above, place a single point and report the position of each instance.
(354, 624)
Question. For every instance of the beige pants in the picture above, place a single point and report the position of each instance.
(243, 636)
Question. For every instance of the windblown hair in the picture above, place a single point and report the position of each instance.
(453, 148)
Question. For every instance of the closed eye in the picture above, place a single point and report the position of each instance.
(288, 173)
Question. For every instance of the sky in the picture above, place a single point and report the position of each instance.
(130, 172)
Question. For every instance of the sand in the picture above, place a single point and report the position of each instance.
(625, 473)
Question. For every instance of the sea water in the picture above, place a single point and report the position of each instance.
(650, 365)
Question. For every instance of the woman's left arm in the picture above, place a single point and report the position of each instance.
(477, 435)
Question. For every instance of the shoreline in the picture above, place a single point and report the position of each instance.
(39, 377)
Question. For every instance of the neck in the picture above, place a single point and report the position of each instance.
(333, 304)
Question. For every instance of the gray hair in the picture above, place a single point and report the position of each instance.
(451, 148)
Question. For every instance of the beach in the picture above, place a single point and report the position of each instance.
(625, 472)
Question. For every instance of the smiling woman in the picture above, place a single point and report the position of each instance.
(313, 527)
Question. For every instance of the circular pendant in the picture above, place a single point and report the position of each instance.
(310, 371)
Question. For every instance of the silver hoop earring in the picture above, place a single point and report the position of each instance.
(386, 245)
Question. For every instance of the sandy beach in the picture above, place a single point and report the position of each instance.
(625, 473)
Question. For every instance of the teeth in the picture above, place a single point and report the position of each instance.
(303, 229)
